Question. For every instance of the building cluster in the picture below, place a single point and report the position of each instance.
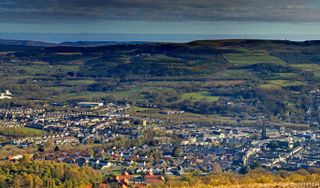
(179, 149)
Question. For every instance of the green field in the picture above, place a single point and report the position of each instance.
(251, 58)
(82, 95)
(200, 95)
(235, 74)
(39, 68)
(278, 84)
(78, 82)
(314, 68)
(269, 86)
(21, 132)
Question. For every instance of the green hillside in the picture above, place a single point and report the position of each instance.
(229, 78)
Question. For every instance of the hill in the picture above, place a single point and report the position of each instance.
(97, 43)
(237, 79)
(25, 43)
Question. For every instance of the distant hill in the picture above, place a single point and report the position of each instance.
(231, 78)
(75, 44)
(98, 43)
(25, 43)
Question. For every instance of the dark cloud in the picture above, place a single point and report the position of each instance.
(159, 10)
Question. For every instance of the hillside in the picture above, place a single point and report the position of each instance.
(237, 79)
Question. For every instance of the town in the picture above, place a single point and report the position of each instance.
(142, 151)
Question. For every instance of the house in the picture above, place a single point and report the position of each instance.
(6, 95)
(150, 178)
(15, 157)
(124, 179)
(123, 183)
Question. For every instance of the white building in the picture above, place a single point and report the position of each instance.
(6, 95)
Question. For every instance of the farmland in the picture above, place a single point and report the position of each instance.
(228, 78)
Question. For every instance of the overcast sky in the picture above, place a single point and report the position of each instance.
(227, 17)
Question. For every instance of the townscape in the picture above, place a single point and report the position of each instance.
(145, 150)
(159, 94)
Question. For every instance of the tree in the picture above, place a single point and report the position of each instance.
(56, 148)
(244, 170)
(216, 168)
(41, 148)
(177, 152)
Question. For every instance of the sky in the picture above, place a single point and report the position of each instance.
(165, 19)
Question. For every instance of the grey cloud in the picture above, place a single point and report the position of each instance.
(159, 10)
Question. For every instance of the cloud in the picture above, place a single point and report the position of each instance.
(159, 10)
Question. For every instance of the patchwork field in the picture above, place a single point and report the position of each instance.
(200, 95)
(314, 68)
(277, 84)
(251, 58)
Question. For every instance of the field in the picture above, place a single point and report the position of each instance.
(234, 74)
(44, 70)
(182, 118)
(197, 96)
(21, 132)
(314, 68)
(82, 95)
(251, 58)
(277, 84)
(163, 75)
(78, 82)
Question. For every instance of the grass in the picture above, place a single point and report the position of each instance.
(40, 63)
(251, 58)
(178, 119)
(78, 82)
(175, 84)
(284, 76)
(285, 83)
(235, 74)
(269, 86)
(278, 84)
(132, 94)
(80, 95)
(135, 92)
(69, 53)
(223, 83)
(314, 68)
(42, 69)
(200, 95)
(21, 132)
(160, 58)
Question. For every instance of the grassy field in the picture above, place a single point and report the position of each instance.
(131, 94)
(69, 53)
(135, 92)
(314, 68)
(78, 82)
(284, 76)
(178, 119)
(160, 58)
(91, 95)
(200, 95)
(45, 69)
(21, 132)
(251, 58)
(269, 86)
(285, 83)
(278, 84)
(235, 74)
(223, 83)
